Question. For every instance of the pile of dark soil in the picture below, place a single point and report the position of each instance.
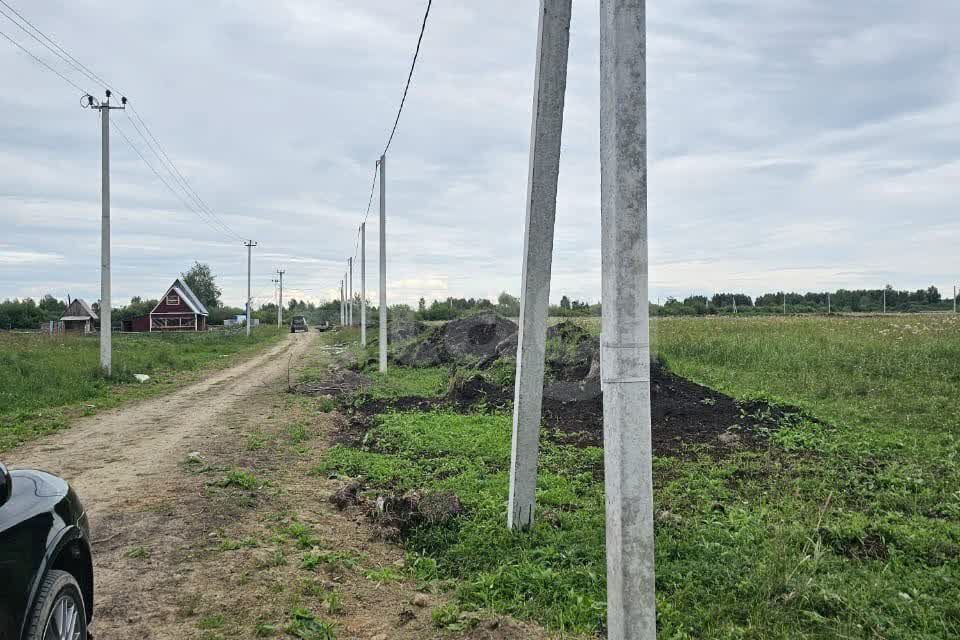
(463, 341)
(683, 414)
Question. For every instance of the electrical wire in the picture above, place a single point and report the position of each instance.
(56, 49)
(205, 213)
(41, 61)
(177, 173)
(413, 64)
(396, 121)
(186, 204)
(179, 180)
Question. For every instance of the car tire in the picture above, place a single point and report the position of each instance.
(59, 602)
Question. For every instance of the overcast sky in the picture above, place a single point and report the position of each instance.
(800, 144)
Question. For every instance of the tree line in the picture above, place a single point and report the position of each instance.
(30, 314)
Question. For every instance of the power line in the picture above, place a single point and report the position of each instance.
(178, 175)
(205, 213)
(56, 49)
(413, 64)
(160, 177)
(41, 61)
(178, 178)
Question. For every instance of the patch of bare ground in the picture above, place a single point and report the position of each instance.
(208, 524)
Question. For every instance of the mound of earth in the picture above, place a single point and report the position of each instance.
(401, 330)
(463, 341)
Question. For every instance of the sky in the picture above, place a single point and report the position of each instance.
(793, 144)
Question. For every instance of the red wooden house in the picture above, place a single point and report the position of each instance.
(179, 310)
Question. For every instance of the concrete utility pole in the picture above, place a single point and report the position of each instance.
(363, 284)
(884, 299)
(954, 298)
(828, 303)
(550, 83)
(383, 263)
(350, 292)
(249, 244)
(784, 303)
(280, 306)
(625, 329)
(734, 303)
(106, 308)
(341, 303)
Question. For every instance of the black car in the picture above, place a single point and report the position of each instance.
(299, 323)
(46, 570)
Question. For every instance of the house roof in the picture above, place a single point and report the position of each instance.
(187, 295)
(82, 308)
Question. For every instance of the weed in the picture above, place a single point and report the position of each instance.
(255, 441)
(384, 574)
(230, 544)
(211, 622)
(297, 433)
(138, 552)
(333, 603)
(307, 626)
(240, 479)
(446, 617)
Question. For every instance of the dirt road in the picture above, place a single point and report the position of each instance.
(209, 520)
(112, 455)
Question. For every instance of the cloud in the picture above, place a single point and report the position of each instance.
(792, 143)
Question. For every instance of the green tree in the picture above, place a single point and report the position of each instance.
(565, 303)
(204, 284)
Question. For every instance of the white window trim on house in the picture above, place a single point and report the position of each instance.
(173, 300)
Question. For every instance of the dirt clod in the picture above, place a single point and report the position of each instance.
(346, 496)
(403, 513)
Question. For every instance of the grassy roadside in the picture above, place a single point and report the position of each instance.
(845, 528)
(46, 382)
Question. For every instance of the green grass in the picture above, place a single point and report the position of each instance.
(427, 382)
(847, 529)
(45, 381)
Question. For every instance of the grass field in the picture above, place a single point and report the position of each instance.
(45, 381)
(846, 525)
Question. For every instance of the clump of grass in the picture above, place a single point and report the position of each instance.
(338, 559)
(297, 432)
(138, 552)
(211, 622)
(306, 625)
(383, 574)
(256, 441)
(240, 479)
(231, 544)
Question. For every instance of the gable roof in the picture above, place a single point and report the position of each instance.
(187, 295)
(78, 309)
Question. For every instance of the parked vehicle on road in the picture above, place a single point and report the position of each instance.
(299, 323)
(46, 568)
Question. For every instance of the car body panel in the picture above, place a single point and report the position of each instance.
(40, 520)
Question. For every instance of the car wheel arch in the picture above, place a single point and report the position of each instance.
(70, 552)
